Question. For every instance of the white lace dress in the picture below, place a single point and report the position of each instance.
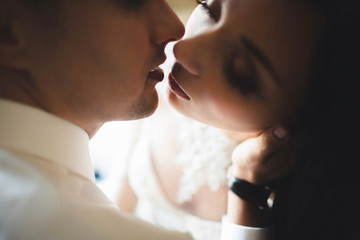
(204, 159)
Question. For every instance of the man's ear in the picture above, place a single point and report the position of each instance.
(12, 44)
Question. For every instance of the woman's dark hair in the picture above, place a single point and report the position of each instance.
(318, 200)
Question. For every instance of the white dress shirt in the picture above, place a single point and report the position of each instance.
(48, 189)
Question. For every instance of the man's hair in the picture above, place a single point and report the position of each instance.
(36, 5)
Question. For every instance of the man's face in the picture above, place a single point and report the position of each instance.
(94, 65)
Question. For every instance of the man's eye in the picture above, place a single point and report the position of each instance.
(206, 7)
(131, 4)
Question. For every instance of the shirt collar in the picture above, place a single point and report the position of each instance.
(39, 133)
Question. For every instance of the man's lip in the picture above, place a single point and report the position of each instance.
(157, 74)
(176, 88)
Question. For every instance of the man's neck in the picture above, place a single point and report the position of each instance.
(14, 88)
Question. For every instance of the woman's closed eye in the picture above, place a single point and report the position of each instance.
(204, 4)
(241, 75)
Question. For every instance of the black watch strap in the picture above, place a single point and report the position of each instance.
(249, 192)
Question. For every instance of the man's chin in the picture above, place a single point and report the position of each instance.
(144, 109)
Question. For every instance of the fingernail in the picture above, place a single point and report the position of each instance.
(280, 133)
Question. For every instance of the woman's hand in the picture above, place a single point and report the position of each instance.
(260, 161)
(266, 158)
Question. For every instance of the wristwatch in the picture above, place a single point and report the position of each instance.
(261, 196)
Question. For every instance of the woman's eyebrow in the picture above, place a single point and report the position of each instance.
(261, 57)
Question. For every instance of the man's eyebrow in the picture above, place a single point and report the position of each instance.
(261, 57)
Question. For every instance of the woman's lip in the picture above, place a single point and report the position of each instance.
(176, 88)
(156, 74)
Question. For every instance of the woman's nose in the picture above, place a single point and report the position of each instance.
(190, 54)
(166, 26)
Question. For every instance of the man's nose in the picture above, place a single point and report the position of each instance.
(165, 24)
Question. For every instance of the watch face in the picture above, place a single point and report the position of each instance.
(270, 200)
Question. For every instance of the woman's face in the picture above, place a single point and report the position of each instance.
(244, 65)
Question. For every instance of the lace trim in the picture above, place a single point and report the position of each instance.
(205, 157)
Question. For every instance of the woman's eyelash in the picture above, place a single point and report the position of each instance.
(206, 7)
(244, 80)
(245, 84)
